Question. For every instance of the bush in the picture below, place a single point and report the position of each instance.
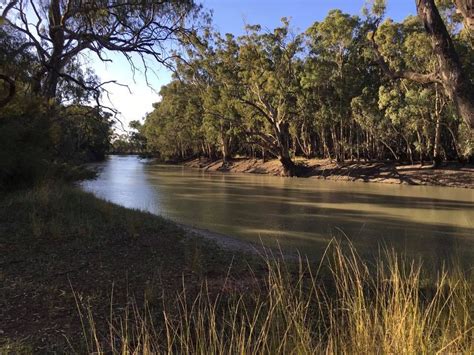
(41, 141)
(25, 146)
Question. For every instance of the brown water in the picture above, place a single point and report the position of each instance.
(297, 214)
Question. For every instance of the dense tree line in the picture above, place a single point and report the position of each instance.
(348, 88)
(129, 142)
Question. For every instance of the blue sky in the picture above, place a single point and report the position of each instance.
(229, 16)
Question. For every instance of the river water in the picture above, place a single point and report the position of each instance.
(297, 214)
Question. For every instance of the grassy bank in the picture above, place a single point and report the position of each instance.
(81, 274)
(58, 239)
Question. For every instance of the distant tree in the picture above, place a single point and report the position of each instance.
(81, 133)
(137, 137)
(214, 71)
(173, 128)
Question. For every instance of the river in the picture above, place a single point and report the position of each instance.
(297, 214)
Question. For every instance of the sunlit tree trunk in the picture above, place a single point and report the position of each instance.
(437, 140)
(283, 135)
(456, 84)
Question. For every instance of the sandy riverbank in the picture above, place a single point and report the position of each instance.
(451, 174)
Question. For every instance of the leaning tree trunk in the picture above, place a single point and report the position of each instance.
(457, 86)
(55, 64)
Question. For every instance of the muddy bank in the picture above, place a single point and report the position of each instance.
(450, 174)
(234, 244)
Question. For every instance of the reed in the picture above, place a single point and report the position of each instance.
(342, 305)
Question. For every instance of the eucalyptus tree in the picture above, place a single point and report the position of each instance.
(449, 72)
(173, 128)
(423, 106)
(221, 120)
(269, 83)
(372, 121)
(305, 126)
(213, 69)
(57, 31)
(332, 72)
(137, 137)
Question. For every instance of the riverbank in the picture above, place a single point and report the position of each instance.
(449, 175)
(82, 275)
(62, 248)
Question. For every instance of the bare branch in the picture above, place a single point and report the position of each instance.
(10, 5)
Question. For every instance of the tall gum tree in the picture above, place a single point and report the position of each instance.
(331, 73)
(59, 30)
(213, 69)
(269, 81)
(450, 74)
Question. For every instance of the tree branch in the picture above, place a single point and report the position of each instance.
(399, 74)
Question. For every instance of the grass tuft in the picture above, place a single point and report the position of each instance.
(344, 305)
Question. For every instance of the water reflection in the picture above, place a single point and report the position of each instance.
(298, 214)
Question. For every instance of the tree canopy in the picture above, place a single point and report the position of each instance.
(56, 32)
(52, 116)
(347, 88)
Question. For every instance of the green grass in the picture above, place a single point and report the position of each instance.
(82, 275)
(57, 239)
(345, 309)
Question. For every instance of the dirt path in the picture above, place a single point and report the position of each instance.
(452, 174)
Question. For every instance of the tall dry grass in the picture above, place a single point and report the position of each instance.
(344, 305)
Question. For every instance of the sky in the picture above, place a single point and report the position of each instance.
(229, 16)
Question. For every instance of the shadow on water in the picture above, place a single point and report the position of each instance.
(431, 222)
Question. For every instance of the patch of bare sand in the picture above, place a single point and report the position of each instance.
(450, 174)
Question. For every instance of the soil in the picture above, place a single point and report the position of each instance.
(64, 253)
(449, 174)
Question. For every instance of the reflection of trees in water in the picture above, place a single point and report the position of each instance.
(122, 180)
(265, 211)
(295, 214)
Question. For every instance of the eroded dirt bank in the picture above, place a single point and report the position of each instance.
(451, 174)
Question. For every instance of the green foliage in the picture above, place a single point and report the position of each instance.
(171, 137)
(322, 93)
(39, 140)
(132, 142)
(25, 148)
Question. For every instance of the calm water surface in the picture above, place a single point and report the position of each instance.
(302, 214)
